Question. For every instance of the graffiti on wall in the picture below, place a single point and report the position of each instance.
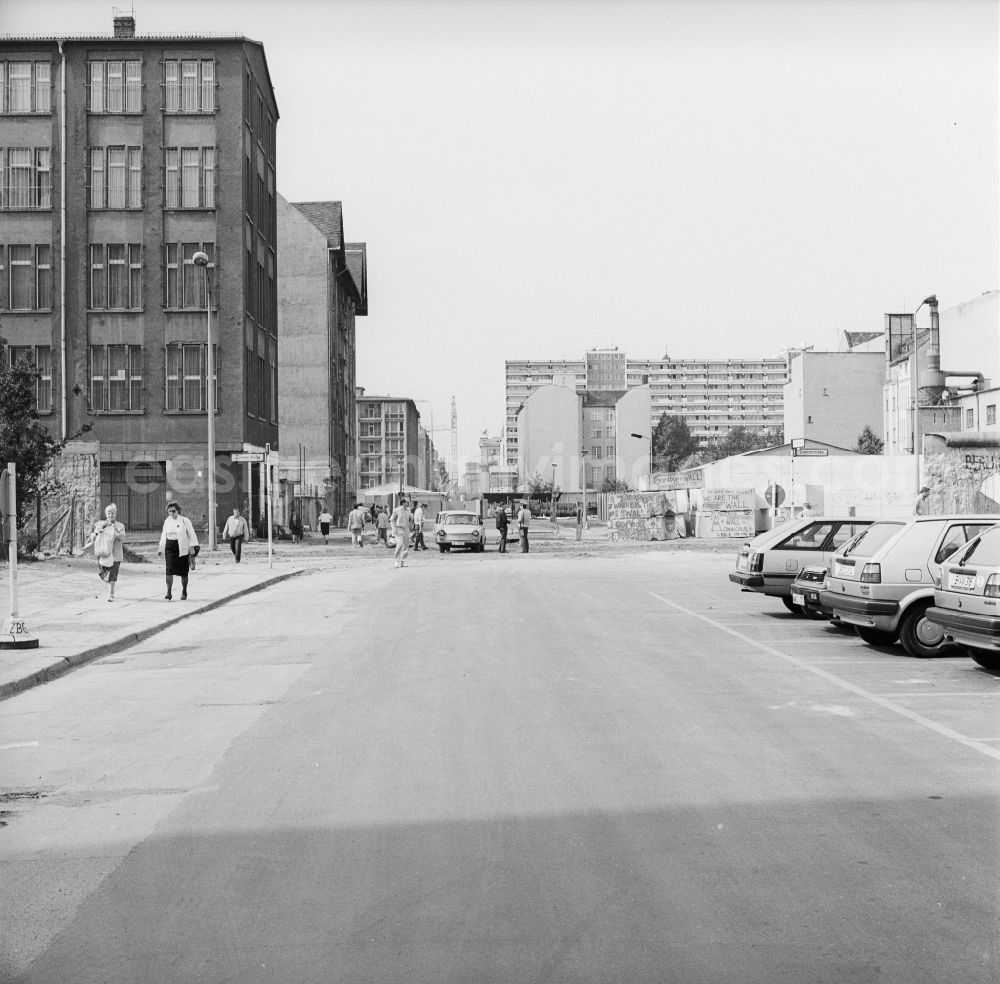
(643, 516)
(961, 474)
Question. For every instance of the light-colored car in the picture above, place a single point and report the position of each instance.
(967, 601)
(770, 562)
(456, 528)
(809, 585)
(884, 582)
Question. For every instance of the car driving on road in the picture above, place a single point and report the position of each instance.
(770, 562)
(883, 583)
(967, 601)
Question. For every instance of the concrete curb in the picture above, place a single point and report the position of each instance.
(67, 663)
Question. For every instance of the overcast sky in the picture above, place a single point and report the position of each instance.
(538, 177)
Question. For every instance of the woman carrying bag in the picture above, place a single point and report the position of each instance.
(107, 539)
(178, 546)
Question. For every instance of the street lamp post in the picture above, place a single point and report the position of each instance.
(553, 495)
(643, 437)
(201, 259)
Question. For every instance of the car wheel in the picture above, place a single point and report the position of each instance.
(987, 660)
(920, 637)
(875, 637)
(794, 609)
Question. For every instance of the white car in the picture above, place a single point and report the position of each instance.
(459, 528)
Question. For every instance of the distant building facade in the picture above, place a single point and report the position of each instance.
(713, 395)
(322, 289)
(388, 441)
(832, 396)
(169, 152)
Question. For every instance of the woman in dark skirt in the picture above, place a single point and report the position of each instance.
(178, 544)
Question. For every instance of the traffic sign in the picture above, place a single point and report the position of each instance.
(810, 452)
(249, 456)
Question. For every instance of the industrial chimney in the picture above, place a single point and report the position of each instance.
(124, 25)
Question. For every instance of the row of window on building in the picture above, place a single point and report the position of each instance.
(115, 279)
(113, 86)
(118, 378)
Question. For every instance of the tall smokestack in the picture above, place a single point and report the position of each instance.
(932, 379)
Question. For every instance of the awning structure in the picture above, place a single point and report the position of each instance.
(392, 488)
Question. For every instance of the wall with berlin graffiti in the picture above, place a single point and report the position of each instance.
(961, 473)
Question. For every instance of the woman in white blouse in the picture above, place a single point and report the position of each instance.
(178, 544)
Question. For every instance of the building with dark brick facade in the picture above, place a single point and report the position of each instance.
(120, 158)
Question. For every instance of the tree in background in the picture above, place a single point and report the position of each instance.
(869, 442)
(538, 488)
(672, 442)
(615, 485)
(23, 439)
(739, 440)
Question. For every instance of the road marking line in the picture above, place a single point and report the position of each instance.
(19, 744)
(917, 694)
(843, 684)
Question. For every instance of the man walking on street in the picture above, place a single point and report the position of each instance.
(382, 523)
(356, 524)
(236, 530)
(523, 521)
(418, 528)
(502, 527)
(400, 522)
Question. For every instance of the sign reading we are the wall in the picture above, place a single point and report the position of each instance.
(638, 515)
(733, 522)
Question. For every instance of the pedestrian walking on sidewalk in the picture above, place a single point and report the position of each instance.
(324, 519)
(356, 524)
(107, 538)
(237, 531)
(502, 527)
(523, 522)
(178, 547)
(295, 525)
(400, 520)
(418, 528)
(382, 524)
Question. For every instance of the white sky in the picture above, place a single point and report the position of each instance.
(538, 177)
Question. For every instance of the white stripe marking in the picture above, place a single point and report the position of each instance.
(843, 684)
(19, 744)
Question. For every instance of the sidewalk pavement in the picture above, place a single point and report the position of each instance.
(64, 604)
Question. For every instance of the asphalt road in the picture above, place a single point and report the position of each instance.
(503, 769)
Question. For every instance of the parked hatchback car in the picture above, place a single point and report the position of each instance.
(967, 601)
(770, 561)
(809, 585)
(883, 584)
(459, 529)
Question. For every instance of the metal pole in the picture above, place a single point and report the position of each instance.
(10, 478)
(267, 484)
(553, 495)
(583, 468)
(201, 259)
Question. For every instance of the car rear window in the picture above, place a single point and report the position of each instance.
(809, 538)
(877, 535)
(985, 550)
(847, 532)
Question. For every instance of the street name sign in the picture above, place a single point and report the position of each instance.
(810, 452)
(249, 456)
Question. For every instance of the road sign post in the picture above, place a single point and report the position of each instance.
(14, 632)
(267, 482)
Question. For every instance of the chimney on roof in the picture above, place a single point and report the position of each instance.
(124, 25)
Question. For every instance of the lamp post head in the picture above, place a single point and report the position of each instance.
(200, 259)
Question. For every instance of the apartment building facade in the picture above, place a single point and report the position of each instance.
(389, 449)
(713, 395)
(121, 158)
(322, 290)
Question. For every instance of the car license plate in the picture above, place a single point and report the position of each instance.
(798, 599)
(843, 570)
(962, 582)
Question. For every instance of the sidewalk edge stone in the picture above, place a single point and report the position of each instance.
(66, 663)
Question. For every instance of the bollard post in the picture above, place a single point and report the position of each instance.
(14, 632)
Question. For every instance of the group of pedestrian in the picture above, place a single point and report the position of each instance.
(523, 522)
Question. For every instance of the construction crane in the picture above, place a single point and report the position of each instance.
(453, 465)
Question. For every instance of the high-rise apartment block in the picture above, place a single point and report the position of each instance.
(713, 395)
(121, 158)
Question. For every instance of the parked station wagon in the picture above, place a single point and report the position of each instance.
(967, 601)
(770, 561)
(883, 583)
(459, 529)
